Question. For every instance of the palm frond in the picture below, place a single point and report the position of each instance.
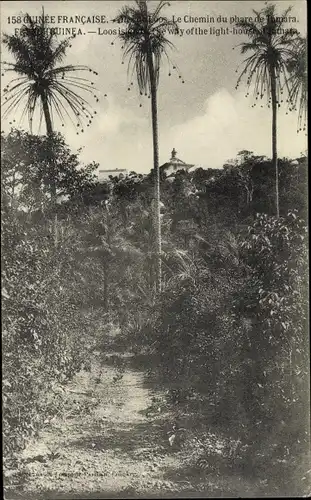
(297, 68)
(269, 47)
(37, 53)
(143, 30)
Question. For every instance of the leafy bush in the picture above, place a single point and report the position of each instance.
(230, 336)
(275, 300)
(44, 332)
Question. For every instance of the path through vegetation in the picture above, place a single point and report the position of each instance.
(111, 440)
(104, 442)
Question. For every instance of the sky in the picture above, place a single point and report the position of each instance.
(205, 118)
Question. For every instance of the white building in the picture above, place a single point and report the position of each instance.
(103, 175)
(175, 164)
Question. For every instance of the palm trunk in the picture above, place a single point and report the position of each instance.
(274, 140)
(49, 132)
(157, 218)
(47, 115)
(13, 188)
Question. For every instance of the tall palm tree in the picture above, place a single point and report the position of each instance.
(145, 43)
(270, 47)
(298, 76)
(43, 82)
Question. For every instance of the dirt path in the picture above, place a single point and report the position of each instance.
(103, 444)
(111, 440)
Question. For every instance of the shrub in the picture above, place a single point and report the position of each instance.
(44, 332)
(276, 253)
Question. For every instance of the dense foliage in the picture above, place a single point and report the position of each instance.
(202, 272)
(229, 331)
(44, 327)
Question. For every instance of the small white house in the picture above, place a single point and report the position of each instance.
(103, 175)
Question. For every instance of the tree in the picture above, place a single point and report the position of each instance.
(43, 83)
(26, 171)
(266, 67)
(145, 44)
(297, 67)
(109, 255)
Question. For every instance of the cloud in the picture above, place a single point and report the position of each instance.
(229, 124)
(122, 137)
(108, 139)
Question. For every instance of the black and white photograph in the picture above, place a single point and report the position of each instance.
(154, 237)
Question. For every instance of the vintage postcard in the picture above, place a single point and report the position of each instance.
(154, 249)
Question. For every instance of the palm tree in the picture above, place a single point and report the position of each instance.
(298, 94)
(145, 43)
(43, 82)
(270, 47)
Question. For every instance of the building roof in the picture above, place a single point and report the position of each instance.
(120, 170)
(114, 172)
(175, 163)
